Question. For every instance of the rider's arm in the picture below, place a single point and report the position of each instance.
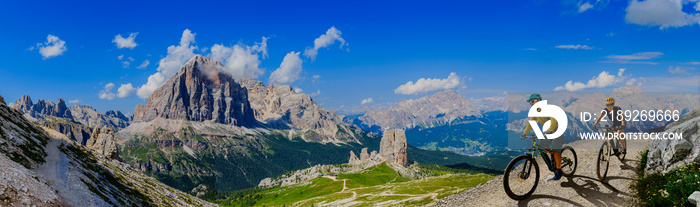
(553, 124)
(528, 127)
(597, 121)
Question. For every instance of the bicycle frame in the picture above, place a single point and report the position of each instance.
(542, 151)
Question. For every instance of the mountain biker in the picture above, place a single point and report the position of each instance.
(555, 144)
(611, 111)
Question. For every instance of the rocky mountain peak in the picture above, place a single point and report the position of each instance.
(198, 92)
(24, 103)
(2, 100)
(61, 109)
(280, 106)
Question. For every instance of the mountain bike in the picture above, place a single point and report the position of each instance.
(608, 149)
(519, 180)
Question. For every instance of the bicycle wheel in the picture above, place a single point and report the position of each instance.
(603, 160)
(569, 161)
(520, 179)
(621, 148)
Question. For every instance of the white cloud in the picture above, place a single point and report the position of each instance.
(679, 70)
(52, 47)
(424, 85)
(144, 64)
(636, 57)
(318, 92)
(530, 49)
(125, 64)
(125, 42)
(316, 76)
(106, 92)
(240, 61)
(120, 57)
(325, 40)
(367, 101)
(74, 101)
(170, 64)
(576, 47)
(583, 6)
(604, 79)
(693, 63)
(289, 70)
(125, 90)
(298, 90)
(662, 13)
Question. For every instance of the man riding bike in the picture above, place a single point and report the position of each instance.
(555, 144)
(611, 111)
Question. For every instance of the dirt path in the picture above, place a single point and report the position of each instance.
(583, 189)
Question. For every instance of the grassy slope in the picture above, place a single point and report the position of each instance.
(376, 185)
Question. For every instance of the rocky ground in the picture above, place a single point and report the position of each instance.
(582, 189)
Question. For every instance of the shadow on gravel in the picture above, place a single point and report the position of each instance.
(587, 187)
(591, 188)
(534, 197)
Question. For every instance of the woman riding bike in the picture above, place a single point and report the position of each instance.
(555, 144)
(611, 111)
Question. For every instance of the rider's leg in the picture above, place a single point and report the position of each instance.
(623, 142)
(557, 159)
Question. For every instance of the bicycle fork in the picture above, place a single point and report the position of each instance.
(524, 175)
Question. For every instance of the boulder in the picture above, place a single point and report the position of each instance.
(694, 198)
(667, 154)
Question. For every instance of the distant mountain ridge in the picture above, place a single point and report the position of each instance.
(83, 114)
(429, 111)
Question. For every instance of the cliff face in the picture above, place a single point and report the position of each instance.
(198, 92)
(73, 130)
(279, 106)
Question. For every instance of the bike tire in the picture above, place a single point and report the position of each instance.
(569, 168)
(506, 178)
(603, 156)
(621, 156)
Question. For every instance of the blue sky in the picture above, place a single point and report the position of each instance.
(490, 46)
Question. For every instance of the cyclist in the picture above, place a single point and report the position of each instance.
(611, 111)
(554, 144)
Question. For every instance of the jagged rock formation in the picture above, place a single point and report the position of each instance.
(42, 108)
(198, 92)
(665, 155)
(85, 115)
(88, 116)
(73, 130)
(393, 147)
(2, 100)
(279, 106)
(353, 159)
(430, 111)
(102, 141)
(41, 169)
